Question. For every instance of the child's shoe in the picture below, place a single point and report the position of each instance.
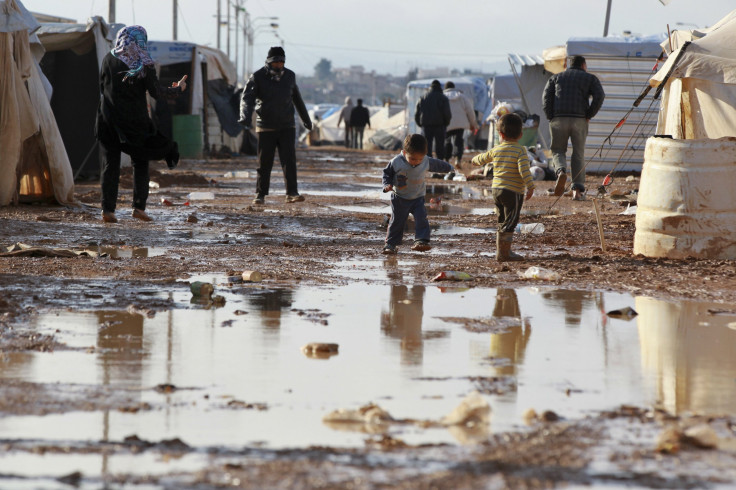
(389, 249)
(421, 246)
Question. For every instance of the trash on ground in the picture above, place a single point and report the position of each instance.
(200, 288)
(201, 196)
(452, 276)
(252, 276)
(368, 414)
(541, 273)
(626, 313)
(702, 436)
(241, 174)
(630, 178)
(629, 210)
(473, 410)
(526, 228)
(319, 350)
(166, 202)
(153, 185)
(192, 218)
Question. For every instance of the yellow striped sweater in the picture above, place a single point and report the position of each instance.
(510, 166)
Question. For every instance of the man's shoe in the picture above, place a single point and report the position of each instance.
(560, 183)
(109, 217)
(421, 246)
(389, 249)
(295, 198)
(578, 195)
(141, 215)
(258, 200)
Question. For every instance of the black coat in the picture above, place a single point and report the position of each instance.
(272, 100)
(360, 116)
(433, 109)
(122, 116)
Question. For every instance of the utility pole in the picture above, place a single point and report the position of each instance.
(218, 24)
(111, 11)
(236, 6)
(175, 19)
(608, 18)
(228, 28)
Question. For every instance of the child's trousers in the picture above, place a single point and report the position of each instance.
(508, 206)
(400, 210)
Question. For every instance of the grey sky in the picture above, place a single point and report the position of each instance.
(393, 36)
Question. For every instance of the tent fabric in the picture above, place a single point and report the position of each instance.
(623, 46)
(220, 94)
(33, 162)
(699, 98)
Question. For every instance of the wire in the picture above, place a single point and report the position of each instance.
(473, 55)
(184, 20)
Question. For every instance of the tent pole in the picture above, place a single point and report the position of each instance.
(608, 18)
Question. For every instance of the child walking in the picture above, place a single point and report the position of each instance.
(406, 175)
(511, 180)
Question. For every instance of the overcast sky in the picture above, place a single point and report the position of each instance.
(394, 36)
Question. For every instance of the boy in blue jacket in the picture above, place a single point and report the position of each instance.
(406, 175)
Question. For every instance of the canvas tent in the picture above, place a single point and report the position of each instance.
(71, 62)
(387, 119)
(623, 64)
(33, 162)
(699, 97)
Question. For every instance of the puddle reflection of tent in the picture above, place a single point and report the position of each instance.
(33, 161)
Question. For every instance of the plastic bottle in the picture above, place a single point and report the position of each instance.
(535, 228)
(535, 272)
(452, 276)
(200, 196)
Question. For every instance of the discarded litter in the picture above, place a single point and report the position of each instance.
(626, 312)
(252, 276)
(629, 210)
(201, 196)
(318, 350)
(200, 288)
(452, 276)
(237, 174)
(535, 272)
(153, 185)
(192, 218)
(474, 409)
(166, 202)
(526, 228)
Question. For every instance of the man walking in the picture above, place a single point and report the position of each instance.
(345, 111)
(433, 115)
(571, 99)
(359, 118)
(272, 92)
(463, 117)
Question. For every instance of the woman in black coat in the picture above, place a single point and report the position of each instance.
(123, 123)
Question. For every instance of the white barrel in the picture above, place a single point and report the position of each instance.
(687, 199)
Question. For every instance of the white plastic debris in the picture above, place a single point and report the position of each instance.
(474, 409)
(535, 272)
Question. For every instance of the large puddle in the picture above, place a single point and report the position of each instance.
(414, 350)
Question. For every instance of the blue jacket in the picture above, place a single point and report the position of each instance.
(567, 94)
(411, 182)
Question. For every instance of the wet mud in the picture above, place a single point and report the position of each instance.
(113, 373)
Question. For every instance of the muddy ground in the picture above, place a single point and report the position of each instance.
(302, 243)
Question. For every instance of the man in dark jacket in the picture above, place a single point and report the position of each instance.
(433, 114)
(273, 94)
(359, 117)
(568, 106)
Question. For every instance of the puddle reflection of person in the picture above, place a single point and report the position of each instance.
(404, 321)
(120, 343)
(512, 343)
(271, 303)
(123, 124)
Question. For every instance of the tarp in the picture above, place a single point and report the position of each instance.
(699, 98)
(33, 162)
(623, 46)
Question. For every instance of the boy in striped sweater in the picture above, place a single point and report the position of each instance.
(511, 182)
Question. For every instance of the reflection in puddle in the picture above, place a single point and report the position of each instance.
(414, 349)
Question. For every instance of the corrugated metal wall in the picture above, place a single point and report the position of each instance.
(623, 80)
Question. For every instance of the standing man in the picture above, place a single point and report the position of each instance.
(433, 115)
(345, 111)
(273, 94)
(359, 117)
(463, 117)
(568, 106)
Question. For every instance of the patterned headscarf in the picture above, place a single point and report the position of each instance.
(131, 47)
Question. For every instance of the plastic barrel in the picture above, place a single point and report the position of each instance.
(687, 199)
(187, 132)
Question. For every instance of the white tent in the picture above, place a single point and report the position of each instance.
(699, 97)
(383, 118)
(33, 162)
